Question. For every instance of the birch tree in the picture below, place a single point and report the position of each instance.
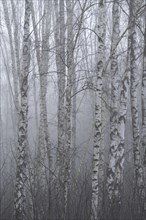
(68, 106)
(59, 35)
(134, 103)
(78, 49)
(113, 190)
(20, 189)
(98, 105)
(16, 41)
(74, 118)
(44, 155)
(122, 118)
(143, 94)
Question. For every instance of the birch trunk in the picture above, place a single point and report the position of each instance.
(98, 107)
(20, 189)
(61, 72)
(68, 104)
(44, 150)
(43, 98)
(16, 40)
(143, 94)
(113, 193)
(74, 118)
(134, 103)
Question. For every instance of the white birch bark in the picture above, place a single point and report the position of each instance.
(74, 118)
(122, 121)
(59, 35)
(98, 106)
(44, 150)
(68, 104)
(42, 59)
(143, 100)
(43, 93)
(41, 150)
(134, 103)
(114, 109)
(35, 98)
(61, 71)
(20, 191)
(16, 40)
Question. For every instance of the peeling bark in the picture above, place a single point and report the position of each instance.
(20, 189)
